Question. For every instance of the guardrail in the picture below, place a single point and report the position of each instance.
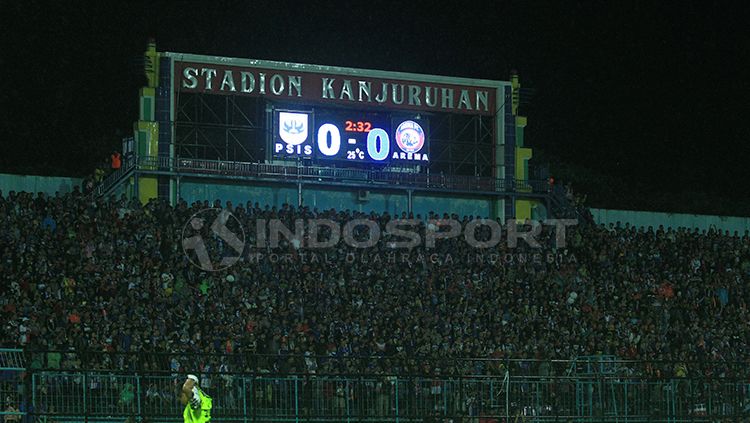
(268, 398)
(186, 166)
(12, 368)
(115, 177)
(94, 396)
(588, 389)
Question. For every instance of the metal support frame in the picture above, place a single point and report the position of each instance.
(136, 192)
(224, 171)
(219, 127)
(462, 144)
(178, 192)
(299, 194)
(235, 128)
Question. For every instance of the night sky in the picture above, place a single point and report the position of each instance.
(640, 105)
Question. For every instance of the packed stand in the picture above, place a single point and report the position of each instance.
(84, 277)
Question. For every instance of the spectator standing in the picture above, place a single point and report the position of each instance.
(116, 161)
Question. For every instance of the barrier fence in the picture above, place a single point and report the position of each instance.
(107, 396)
(593, 389)
(308, 173)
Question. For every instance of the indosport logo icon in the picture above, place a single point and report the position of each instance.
(293, 130)
(213, 239)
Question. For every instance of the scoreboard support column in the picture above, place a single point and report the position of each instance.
(177, 194)
(299, 194)
(500, 134)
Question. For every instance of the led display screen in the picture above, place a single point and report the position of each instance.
(364, 137)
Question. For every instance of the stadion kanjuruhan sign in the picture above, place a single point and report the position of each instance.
(356, 89)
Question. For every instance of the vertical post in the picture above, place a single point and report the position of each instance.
(614, 396)
(85, 405)
(444, 393)
(537, 399)
(299, 194)
(673, 400)
(244, 399)
(33, 393)
(139, 410)
(177, 194)
(507, 394)
(709, 407)
(136, 191)
(499, 150)
(346, 399)
(296, 399)
(409, 201)
(396, 377)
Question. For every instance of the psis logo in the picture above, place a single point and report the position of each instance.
(410, 136)
(293, 127)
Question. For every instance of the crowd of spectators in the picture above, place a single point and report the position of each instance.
(82, 276)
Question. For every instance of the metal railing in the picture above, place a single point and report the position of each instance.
(588, 389)
(314, 174)
(109, 181)
(369, 398)
(12, 367)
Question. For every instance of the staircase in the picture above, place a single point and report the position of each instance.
(562, 208)
(113, 180)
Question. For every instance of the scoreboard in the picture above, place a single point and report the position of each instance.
(331, 116)
(350, 136)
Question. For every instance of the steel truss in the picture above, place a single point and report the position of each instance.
(219, 127)
(233, 128)
(462, 144)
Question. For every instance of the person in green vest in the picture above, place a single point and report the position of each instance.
(197, 403)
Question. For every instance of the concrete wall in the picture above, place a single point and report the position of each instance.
(321, 198)
(33, 183)
(237, 193)
(393, 201)
(423, 204)
(673, 220)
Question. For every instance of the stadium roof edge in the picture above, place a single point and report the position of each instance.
(335, 70)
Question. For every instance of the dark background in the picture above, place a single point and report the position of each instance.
(638, 104)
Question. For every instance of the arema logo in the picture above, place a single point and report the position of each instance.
(213, 239)
(410, 136)
(293, 127)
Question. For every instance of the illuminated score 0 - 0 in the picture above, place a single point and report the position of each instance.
(337, 135)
